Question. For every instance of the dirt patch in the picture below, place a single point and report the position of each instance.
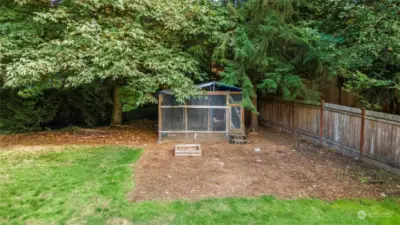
(138, 134)
(286, 167)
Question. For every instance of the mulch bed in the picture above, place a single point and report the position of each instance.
(286, 167)
(137, 134)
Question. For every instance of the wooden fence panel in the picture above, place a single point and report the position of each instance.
(283, 113)
(382, 137)
(265, 111)
(306, 119)
(396, 144)
(277, 112)
(341, 126)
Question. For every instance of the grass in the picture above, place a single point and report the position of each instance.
(91, 185)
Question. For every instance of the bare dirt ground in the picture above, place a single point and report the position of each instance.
(286, 167)
(138, 134)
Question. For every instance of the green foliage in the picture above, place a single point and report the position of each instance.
(289, 85)
(25, 114)
(289, 48)
(143, 43)
(285, 48)
(270, 50)
(91, 186)
(88, 105)
(375, 92)
(369, 54)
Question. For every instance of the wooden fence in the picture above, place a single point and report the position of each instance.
(353, 131)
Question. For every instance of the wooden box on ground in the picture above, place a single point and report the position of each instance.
(188, 150)
(238, 137)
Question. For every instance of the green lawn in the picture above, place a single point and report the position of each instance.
(90, 186)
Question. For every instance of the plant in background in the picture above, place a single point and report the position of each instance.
(272, 51)
(88, 105)
(136, 46)
(284, 48)
(369, 54)
(19, 114)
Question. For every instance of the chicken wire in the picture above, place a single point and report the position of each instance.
(200, 118)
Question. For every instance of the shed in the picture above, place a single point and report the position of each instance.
(212, 115)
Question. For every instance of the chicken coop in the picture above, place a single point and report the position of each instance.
(210, 116)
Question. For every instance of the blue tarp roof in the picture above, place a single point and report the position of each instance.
(210, 86)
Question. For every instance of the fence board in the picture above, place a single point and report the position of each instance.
(382, 141)
(306, 119)
(396, 144)
(342, 126)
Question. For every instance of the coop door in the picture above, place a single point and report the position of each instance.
(236, 118)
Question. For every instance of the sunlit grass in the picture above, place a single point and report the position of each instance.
(91, 185)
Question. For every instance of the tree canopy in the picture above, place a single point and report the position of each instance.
(284, 48)
(143, 43)
(271, 50)
(367, 55)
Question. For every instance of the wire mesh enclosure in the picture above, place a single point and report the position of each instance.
(209, 116)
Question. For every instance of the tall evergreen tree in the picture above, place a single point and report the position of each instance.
(271, 51)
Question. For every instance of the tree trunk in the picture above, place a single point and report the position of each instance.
(395, 109)
(254, 115)
(117, 105)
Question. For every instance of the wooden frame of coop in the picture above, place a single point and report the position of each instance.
(214, 115)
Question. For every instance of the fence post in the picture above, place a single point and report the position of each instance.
(362, 131)
(292, 117)
(321, 122)
(160, 128)
(228, 113)
(272, 112)
(185, 113)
